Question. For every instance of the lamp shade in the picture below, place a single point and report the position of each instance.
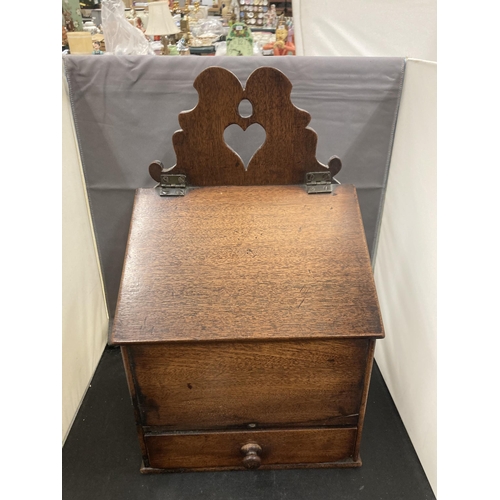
(160, 21)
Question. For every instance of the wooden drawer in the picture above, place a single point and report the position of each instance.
(242, 385)
(278, 448)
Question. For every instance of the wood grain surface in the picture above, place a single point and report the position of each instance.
(287, 154)
(127, 363)
(364, 396)
(253, 262)
(249, 385)
(223, 449)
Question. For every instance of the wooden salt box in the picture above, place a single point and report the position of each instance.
(247, 313)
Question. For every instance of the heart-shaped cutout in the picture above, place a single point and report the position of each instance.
(245, 143)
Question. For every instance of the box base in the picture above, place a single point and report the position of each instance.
(323, 465)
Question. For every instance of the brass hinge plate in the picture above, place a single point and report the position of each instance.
(172, 185)
(319, 182)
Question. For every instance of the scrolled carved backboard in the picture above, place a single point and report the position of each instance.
(287, 154)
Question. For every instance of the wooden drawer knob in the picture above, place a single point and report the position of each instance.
(251, 460)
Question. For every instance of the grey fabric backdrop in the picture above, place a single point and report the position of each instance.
(126, 108)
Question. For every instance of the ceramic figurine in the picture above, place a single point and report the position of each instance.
(183, 48)
(239, 40)
(172, 50)
(235, 9)
(270, 17)
(97, 48)
(282, 46)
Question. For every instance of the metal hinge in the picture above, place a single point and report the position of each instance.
(172, 185)
(319, 182)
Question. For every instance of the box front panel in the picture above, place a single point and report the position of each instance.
(249, 385)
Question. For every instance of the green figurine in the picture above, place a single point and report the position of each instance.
(172, 50)
(239, 40)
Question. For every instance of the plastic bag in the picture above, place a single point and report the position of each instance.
(121, 38)
(206, 32)
(220, 48)
(208, 27)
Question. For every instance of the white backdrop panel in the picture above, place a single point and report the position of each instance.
(405, 265)
(85, 320)
(391, 28)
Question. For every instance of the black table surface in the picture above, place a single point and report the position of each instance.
(101, 457)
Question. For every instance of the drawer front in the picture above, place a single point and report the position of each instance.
(221, 385)
(237, 449)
